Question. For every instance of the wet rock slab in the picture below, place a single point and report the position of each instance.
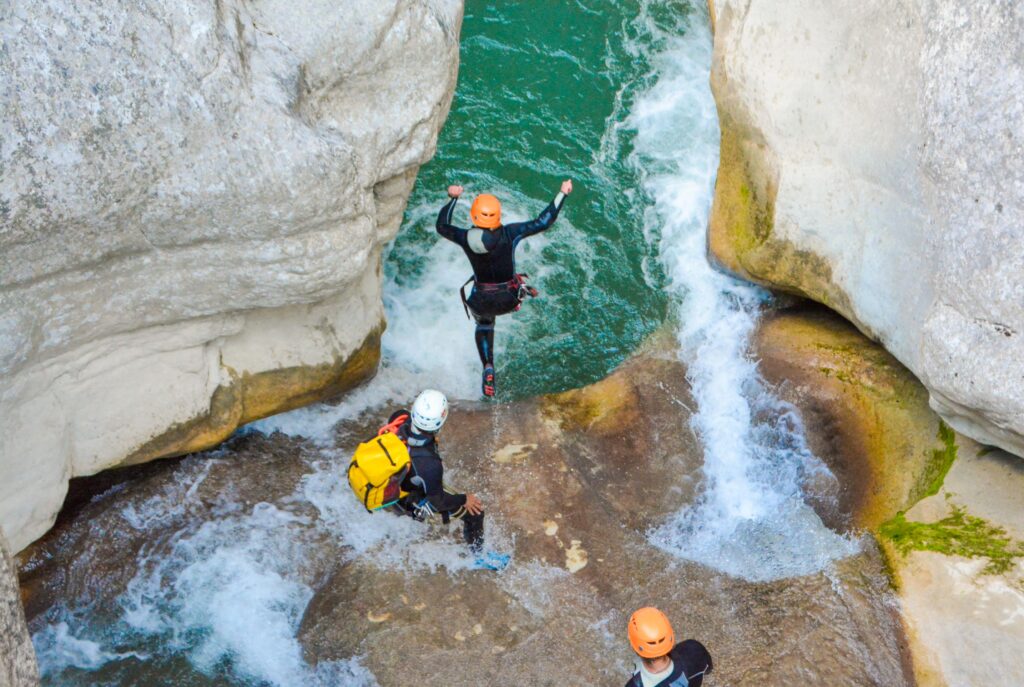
(571, 483)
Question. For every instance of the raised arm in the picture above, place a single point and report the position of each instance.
(444, 218)
(546, 218)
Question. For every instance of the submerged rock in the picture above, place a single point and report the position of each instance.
(193, 201)
(871, 159)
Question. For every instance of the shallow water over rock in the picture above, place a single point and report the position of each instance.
(572, 484)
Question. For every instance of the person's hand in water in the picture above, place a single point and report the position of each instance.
(474, 506)
(566, 187)
(454, 191)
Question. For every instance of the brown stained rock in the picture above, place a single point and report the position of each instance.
(866, 415)
(580, 476)
(252, 397)
(558, 491)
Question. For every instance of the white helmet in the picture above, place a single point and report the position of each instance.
(429, 410)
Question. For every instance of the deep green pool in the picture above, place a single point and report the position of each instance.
(542, 94)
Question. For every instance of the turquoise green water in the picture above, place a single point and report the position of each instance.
(542, 88)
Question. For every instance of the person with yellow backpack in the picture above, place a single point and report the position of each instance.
(401, 470)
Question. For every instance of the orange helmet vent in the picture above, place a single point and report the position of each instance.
(486, 211)
(650, 633)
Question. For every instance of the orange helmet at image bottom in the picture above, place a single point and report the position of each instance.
(650, 633)
(486, 211)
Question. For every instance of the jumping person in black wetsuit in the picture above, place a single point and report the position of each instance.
(491, 249)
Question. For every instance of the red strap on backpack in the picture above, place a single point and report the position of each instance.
(392, 427)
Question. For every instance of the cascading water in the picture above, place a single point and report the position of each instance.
(752, 519)
(621, 104)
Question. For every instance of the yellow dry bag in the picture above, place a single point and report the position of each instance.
(377, 470)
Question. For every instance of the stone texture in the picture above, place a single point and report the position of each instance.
(17, 658)
(563, 484)
(951, 607)
(864, 413)
(867, 417)
(873, 160)
(193, 202)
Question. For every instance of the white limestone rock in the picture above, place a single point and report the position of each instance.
(193, 194)
(880, 147)
(17, 658)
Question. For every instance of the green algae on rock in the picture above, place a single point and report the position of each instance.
(959, 534)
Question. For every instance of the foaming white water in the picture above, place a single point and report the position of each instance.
(379, 538)
(232, 593)
(58, 649)
(429, 339)
(751, 519)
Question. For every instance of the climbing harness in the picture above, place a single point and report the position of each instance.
(517, 285)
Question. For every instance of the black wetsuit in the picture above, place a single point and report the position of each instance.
(492, 253)
(690, 663)
(428, 496)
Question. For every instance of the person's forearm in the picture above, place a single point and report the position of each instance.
(445, 216)
(445, 501)
(559, 199)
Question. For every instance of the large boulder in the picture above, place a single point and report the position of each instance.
(873, 160)
(193, 201)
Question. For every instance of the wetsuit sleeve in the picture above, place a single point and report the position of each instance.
(441, 500)
(543, 222)
(695, 659)
(445, 227)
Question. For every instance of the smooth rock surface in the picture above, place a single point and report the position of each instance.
(566, 479)
(873, 160)
(951, 606)
(17, 658)
(867, 417)
(193, 201)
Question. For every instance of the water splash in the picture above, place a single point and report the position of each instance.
(752, 519)
(57, 649)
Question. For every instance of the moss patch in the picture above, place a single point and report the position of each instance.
(937, 468)
(958, 534)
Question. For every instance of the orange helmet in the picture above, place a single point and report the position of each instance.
(650, 633)
(486, 211)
